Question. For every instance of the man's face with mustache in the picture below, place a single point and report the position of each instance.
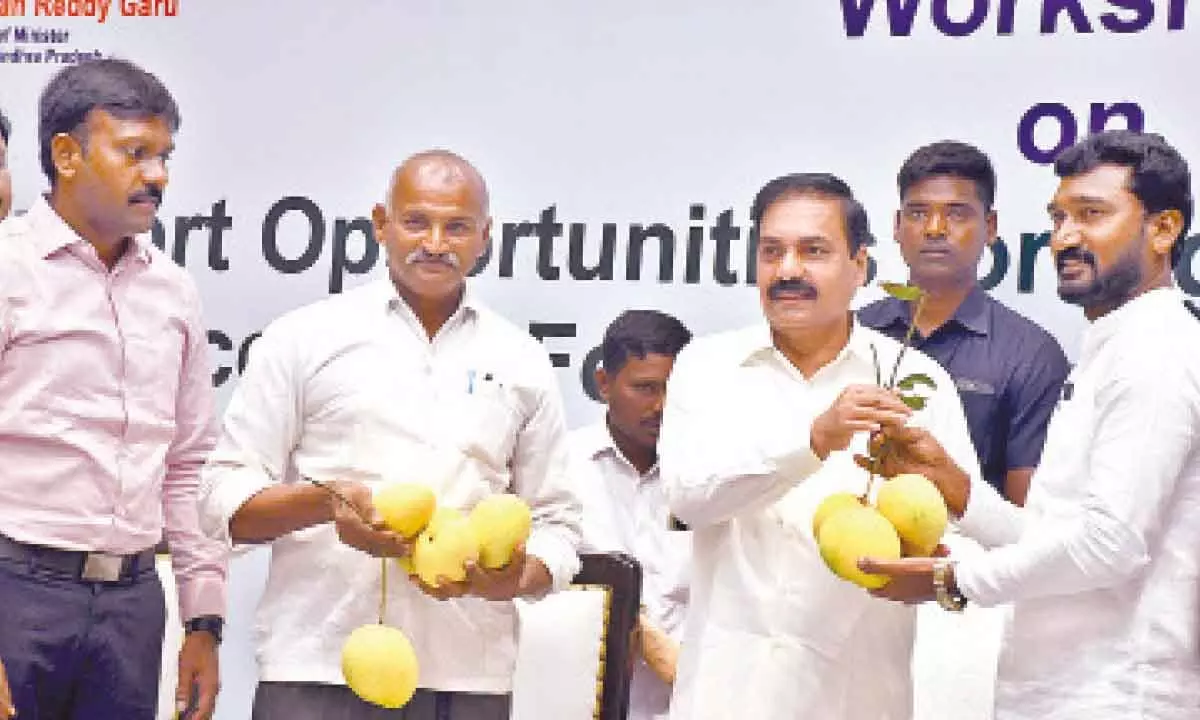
(806, 274)
(434, 228)
(1100, 240)
(118, 171)
(635, 395)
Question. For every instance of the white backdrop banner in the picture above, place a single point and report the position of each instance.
(622, 142)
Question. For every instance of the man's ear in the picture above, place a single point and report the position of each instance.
(602, 383)
(1165, 230)
(379, 222)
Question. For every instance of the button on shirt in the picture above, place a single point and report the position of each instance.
(1008, 370)
(625, 511)
(771, 631)
(1103, 564)
(352, 388)
(106, 410)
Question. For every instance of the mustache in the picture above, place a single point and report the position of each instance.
(795, 285)
(1074, 254)
(150, 194)
(422, 255)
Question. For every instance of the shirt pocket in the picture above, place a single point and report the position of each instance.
(980, 402)
(153, 364)
(484, 425)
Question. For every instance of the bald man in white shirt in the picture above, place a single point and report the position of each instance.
(375, 385)
(758, 429)
(1103, 564)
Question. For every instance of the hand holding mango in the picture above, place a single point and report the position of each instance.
(909, 518)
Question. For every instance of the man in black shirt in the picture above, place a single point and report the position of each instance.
(1008, 370)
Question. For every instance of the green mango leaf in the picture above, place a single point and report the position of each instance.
(901, 291)
(916, 402)
(911, 381)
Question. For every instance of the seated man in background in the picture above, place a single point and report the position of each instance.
(614, 463)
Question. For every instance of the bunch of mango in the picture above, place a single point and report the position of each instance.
(378, 661)
(908, 519)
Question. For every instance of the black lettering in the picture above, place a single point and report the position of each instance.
(638, 234)
(218, 223)
(548, 230)
(221, 341)
(183, 226)
(752, 256)
(316, 235)
(695, 247)
(723, 234)
(587, 373)
(508, 244)
(541, 331)
(340, 265)
(1185, 271)
(603, 268)
(1031, 245)
(244, 351)
(1000, 262)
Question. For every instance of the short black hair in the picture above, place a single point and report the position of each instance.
(5, 127)
(858, 228)
(638, 333)
(953, 158)
(116, 86)
(1160, 179)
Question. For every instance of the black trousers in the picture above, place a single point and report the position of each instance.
(314, 701)
(77, 650)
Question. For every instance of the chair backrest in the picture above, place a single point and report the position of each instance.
(621, 575)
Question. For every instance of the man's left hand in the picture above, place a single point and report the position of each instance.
(524, 575)
(199, 676)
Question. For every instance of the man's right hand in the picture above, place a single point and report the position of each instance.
(360, 526)
(7, 708)
(859, 408)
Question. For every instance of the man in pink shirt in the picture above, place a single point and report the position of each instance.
(5, 179)
(106, 416)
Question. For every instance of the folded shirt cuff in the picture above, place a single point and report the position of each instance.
(556, 553)
(201, 595)
(230, 489)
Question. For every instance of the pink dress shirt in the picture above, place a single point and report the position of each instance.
(106, 407)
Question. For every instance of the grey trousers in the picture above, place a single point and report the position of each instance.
(315, 701)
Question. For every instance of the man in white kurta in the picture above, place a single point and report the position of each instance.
(746, 456)
(1103, 564)
(409, 378)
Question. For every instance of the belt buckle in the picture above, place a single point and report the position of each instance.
(102, 567)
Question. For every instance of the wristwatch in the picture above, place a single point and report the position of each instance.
(212, 624)
(948, 597)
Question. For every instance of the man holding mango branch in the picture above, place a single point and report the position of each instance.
(393, 421)
(756, 452)
(1101, 566)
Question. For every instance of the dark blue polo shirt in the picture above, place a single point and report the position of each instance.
(1008, 370)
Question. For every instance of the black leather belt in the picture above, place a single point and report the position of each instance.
(79, 565)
